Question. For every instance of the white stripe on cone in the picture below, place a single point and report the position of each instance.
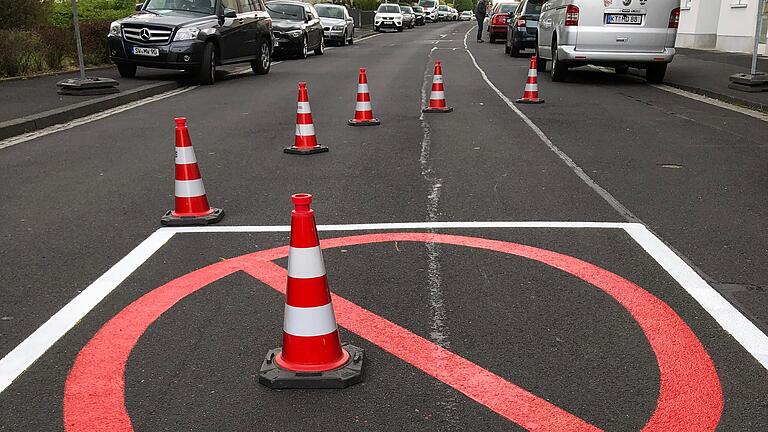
(531, 87)
(437, 95)
(531, 72)
(185, 155)
(189, 188)
(303, 108)
(305, 263)
(363, 106)
(438, 79)
(305, 129)
(309, 321)
(362, 88)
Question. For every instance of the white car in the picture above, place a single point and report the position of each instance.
(466, 16)
(454, 14)
(443, 13)
(389, 15)
(430, 9)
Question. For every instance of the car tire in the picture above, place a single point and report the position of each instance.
(399, 29)
(621, 70)
(507, 48)
(263, 61)
(559, 69)
(376, 29)
(352, 37)
(541, 63)
(127, 70)
(302, 52)
(491, 37)
(206, 74)
(320, 50)
(514, 50)
(655, 72)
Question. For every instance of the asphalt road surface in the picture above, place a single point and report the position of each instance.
(604, 148)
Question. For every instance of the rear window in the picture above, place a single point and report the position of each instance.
(389, 8)
(428, 3)
(507, 8)
(406, 9)
(533, 7)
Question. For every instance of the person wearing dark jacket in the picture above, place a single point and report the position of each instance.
(480, 15)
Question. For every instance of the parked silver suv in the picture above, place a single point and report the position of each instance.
(614, 33)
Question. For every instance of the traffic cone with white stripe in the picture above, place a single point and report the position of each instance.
(437, 96)
(306, 141)
(191, 202)
(531, 94)
(312, 355)
(363, 109)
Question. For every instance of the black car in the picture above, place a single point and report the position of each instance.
(522, 29)
(421, 19)
(194, 35)
(296, 27)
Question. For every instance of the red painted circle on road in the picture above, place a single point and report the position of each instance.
(690, 395)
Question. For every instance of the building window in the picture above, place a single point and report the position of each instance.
(739, 3)
(685, 4)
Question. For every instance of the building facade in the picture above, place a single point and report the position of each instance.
(724, 25)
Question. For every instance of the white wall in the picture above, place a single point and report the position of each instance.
(698, 25)
(736, 26)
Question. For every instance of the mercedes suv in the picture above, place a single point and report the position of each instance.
(193, 35)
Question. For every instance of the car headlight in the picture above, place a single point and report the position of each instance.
(294, 33)
(114, 29)
(186, 34)
(339, 27)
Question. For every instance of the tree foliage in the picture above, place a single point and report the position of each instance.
(23, 14)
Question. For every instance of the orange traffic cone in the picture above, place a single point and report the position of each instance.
(305, 142)
(437, 96)
(312, 355)
(531, 94)
(363, 110)
(191, 202)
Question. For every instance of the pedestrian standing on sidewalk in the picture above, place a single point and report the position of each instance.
(480, 15)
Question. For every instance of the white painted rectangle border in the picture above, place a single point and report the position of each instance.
(33, 347)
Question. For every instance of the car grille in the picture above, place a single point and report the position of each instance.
(327, 28)
(152, 34)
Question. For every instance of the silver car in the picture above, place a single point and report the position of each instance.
(618, 34)
(338, 26)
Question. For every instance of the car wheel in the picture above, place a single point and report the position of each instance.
(127, 70)
(320, 50)
(206, 75)
(263, 61)
(376, 29)
(655, 72)
(621, 70)
(514, 50)
(559, 69)
(541, 63)
(343, 40)
(351, 37)
(399, 29)
(302, 51)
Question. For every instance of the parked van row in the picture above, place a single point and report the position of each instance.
(570, 33)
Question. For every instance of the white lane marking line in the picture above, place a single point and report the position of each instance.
(700, 98)
(714, 102)
(8, 142)
(613, 202)
(34, 346)
(404, 225)
(730, 319)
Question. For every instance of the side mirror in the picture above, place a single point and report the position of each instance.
(138, 6)
(230, 13)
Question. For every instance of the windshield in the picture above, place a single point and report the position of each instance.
(427, 3)
(285, 11)
(508, 8)
(406, 10)
(389, 8)
(330, 11)
(197, 6)
(442, 8)
(418, 9)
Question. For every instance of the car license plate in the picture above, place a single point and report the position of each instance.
(623, 19)
(149, 52)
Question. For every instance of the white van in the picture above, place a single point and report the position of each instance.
(430, 9)
(614, 33)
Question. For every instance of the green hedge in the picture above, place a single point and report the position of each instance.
(89, 10)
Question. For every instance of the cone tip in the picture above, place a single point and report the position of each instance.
(362, 70)
(301, 199)
(302, 84)
(181, 121)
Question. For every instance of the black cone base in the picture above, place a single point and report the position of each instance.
(272, 376)
(530, 101)
(170, 220)
(373, 122)
(437, 110)
(302, 151)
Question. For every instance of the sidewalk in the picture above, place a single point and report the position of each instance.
(708, 72)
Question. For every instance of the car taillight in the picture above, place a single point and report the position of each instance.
(521, 22)
(674, 18)
(572, 15)
(499, 19)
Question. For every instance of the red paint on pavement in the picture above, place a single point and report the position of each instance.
(690, 396)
